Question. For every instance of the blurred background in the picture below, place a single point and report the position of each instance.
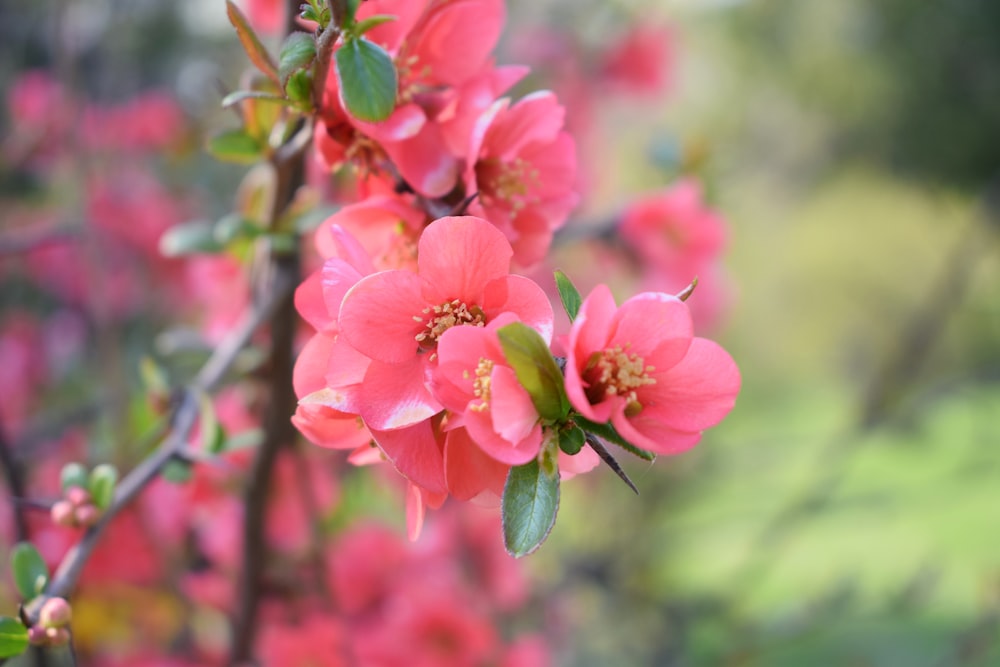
(847, 512)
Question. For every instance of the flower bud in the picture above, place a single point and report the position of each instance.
(63, 514)
(37, 636)
(87, 515)
(77, 495)
(57, 636)
(55, 613)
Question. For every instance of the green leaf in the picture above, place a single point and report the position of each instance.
(244, 440)
(73, 474)
(536, 370)
(530, 503)
(300, 87)
(154, 378)
(609, 433)
(297, 52)
(212, 434)
(177, 472)
(189, 238)
(363, 26)
(571, 440)
(235, 146)
(568, 294)
(352, 10)
(240, 95)
(367, 80)
(13, 637)
(102, 485)
(251, 43)
(29, 570)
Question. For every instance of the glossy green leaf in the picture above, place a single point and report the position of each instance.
(300, 88)
(363, 26)
(536, 370)
(73, 474)
(367, 79)
(530, 503)
(296, 53)
(251, 43)
(189, 239)
(241, 95)
(103, 479)
(571, 440)
(235, 146)
(212, 434)
(568, 294)
(13, 637)
(31, 574)
(177, 472)
(610, 434)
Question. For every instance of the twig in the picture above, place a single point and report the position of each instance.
(14, 473)
(68, 573)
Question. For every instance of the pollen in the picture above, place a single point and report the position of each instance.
(615, 372)
(438, 319)
(509, 183)
(481, 385)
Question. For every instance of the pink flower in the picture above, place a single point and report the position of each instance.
(395, 318)
(474, 382)
(641, 60)
(524, 168)
(639, 367)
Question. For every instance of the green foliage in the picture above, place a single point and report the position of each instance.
(571, 440)
(31, 574)
(530, 503)
(189, 239)
(536, 370)
(235, 146)
(258, 55)
(103, 479)
(297, 52)
(568, 294)
(13, 637)
(367, 79)
(609, 433)
(73, 474)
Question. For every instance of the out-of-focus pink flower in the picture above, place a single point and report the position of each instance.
(523, 165)
(310, 639)
(639, 367)
(678, 238)
(527, 651)
(266, 16)
(641, 60)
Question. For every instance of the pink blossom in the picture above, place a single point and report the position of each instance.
(524, 168)
(395, 318)
(474, 382)
(639, 367)
(641, 60)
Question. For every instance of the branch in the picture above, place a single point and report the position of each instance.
(185, 415)
(14, 472)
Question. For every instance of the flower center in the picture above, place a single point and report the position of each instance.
(615, 372)
(441, 318)
(507, 183)
(481, 385)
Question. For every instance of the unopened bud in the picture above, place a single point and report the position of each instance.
(77, 495)
(37, 636)
(87, 515)
(55, 613)
(57, 636)
(63, 513)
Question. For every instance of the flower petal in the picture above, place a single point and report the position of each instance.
(458, 256)
(416, 454)
(377, 314)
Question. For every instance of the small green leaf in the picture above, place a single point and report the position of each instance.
(367, 79)
(212, 434)
(251, 43)
(240, 95)
(244, 440)
(296, 53)
(530, 503)
(536, 370)
(189, 238)
(363, 26)
(352, 10)
(609, 433)
(177, 472)
(571, 440)
(13, 637)
(154, 378)
(299, 88)
(568, 294)
(73, 474)
(102, 485)
(29, 569)
(235, 146)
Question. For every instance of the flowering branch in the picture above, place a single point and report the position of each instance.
(184, 417)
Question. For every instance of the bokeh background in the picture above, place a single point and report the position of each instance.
(848, 510)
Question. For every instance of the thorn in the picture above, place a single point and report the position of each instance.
(686, 292)
(463, 205)
(606, 456)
